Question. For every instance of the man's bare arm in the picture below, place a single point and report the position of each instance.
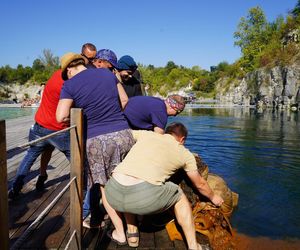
(202, 186)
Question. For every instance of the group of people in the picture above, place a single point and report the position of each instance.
(130, 150)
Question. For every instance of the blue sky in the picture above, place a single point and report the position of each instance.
(189, 33)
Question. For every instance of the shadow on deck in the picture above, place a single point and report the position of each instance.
(53, 232)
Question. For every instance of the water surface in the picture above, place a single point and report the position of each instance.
(258, 155)
(11, 113)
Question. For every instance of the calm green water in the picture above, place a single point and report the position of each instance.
(258, 155)
(10, 113)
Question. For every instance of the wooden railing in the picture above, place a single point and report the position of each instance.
(75, 184)
(76, 193)
(4, 238)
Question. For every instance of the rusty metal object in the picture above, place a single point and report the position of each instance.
(172, 230)
(210, 221)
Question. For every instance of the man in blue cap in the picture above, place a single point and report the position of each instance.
(106, 58)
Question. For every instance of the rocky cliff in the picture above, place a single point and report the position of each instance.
(276, 87)
(19, 92)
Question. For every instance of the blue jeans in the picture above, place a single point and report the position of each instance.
(86, 204)
(91, 204)
(60, 141)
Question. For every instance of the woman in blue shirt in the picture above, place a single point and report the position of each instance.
(99, 94)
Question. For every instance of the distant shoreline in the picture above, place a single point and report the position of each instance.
(188, 105)
(216, 105)
(16, 105)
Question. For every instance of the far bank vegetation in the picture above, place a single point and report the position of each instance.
(263, 44)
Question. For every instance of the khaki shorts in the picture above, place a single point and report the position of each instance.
(143, 198)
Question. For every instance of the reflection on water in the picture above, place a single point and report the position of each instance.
(258, 155)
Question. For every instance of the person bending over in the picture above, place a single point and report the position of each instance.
(151, 113)
(138, 184)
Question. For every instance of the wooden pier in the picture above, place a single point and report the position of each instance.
(54, 231)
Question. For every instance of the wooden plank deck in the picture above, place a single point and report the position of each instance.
(53, 232)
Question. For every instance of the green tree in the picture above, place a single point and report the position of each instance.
(4, 74)
(42, 76)
(170, 65)
(38, 65)
(196, 68)
(11, 74)
(44, 66)
(223, 66)
(49, 60)
(296, 11)
(23, 74)
(252, 36)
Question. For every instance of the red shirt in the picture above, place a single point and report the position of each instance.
(46, 114)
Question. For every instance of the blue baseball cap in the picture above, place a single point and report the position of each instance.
(108, 55)
(127, 63)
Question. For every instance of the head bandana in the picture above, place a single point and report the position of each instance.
(175, 105)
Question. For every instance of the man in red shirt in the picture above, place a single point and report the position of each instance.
(45, 124)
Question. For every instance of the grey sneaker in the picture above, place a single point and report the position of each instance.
(86, 221)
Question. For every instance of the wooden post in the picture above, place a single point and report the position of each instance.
(76, 193)
(4, 238)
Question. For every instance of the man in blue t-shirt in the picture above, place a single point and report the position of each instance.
(151, 113)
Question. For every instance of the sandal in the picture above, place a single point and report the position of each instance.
(133, 235)
(109, 235)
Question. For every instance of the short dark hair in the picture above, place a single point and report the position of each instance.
(89, 46)
(177, 128)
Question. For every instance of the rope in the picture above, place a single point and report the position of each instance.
(42, 215)
(46, 137)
